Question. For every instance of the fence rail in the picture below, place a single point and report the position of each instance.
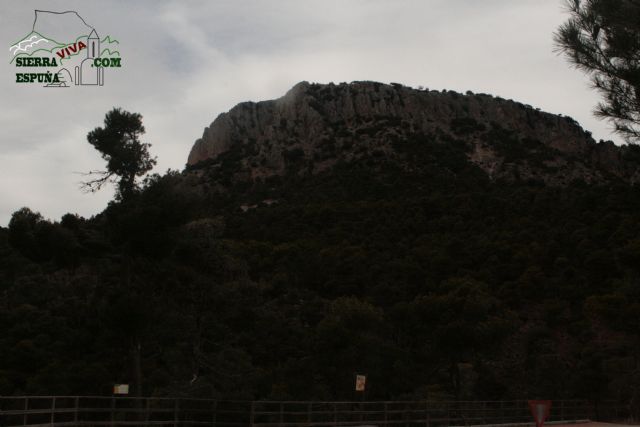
(86, 411)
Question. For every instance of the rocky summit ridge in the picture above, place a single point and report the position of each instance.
(318, 125)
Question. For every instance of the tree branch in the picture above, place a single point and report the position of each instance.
(93, 185)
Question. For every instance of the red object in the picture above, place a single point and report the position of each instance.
(540, 410)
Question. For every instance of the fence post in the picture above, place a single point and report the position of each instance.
(146, 412)
(335, 414)
(53, 410)
(426, 413)
(75, 413)
(386, 415)
(251, 414)
(113, 408)
(26, 407)
(215, 412)
(309, 405)
(281, 413)
(175, 412)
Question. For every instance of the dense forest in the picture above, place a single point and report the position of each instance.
(436, 282)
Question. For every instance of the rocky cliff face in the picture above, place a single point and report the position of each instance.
(315, 126)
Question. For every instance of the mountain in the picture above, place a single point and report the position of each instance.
(449, 246)
(63, 27)
(350, 122)
(33, 42)
(51, 30)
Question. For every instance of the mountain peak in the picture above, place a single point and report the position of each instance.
(63, 27)
(327, 123)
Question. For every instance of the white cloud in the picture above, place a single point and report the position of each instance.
(186, 62)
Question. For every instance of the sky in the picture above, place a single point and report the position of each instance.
(184, 62)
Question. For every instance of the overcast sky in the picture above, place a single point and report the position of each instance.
(185, 62)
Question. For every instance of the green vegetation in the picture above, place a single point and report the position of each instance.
(119, 144)
(602, 38)
(416, 269)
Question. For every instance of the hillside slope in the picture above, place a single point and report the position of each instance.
(448, 246)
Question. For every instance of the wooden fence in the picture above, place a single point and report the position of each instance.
(84, 411)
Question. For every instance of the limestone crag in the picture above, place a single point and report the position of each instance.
(321, 124)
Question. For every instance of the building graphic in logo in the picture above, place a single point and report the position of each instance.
(86, 73)
(60, 42)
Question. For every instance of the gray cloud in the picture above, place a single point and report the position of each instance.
(186, 62)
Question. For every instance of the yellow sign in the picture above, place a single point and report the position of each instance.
(121, 389)
(360, 381)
